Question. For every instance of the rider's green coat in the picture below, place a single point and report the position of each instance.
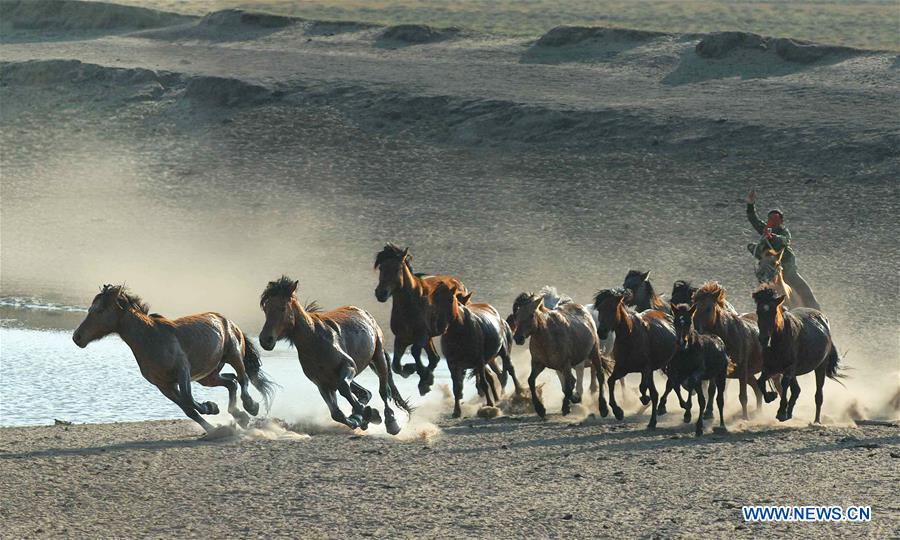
(781, 239)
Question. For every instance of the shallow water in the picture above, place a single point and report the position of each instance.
(44, 377)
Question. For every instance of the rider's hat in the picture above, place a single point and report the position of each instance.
(776, 211)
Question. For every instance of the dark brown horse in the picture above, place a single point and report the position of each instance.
(712, 315)
(561, 339)
(474, 335)
(796, 342)
(643, 296)
(644, 343)
(333, 347)
(173, 352)
(412, 317)
(698, 358)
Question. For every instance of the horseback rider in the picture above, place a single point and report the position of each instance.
(777, 237)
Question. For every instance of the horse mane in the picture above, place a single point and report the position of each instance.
(283, 286)
(711, 290)
(682, 292)
(606, 294)
(522, 300)
(392, 251)
(312, 307)
(134, 301)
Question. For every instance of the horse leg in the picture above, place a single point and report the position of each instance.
(795, 393)
(720, 399)
(383, 370)
(701, 401)
(490, 391)
(688, 404)
(578, 389)
(229, 381)
(536, 370)
(500, 373)
(433, 356)
(597, 380)
(184, 390)
(654, 401)
(665, 395)
(403, 371)
(240, 375)
(710, 394)
(361, 392)
(359, 413)
(820, 382)
(644, 387)
(568, 390)
(508, 366)
(456, 375)
(426, 377)
(781, 415)
(611, 386)
(186, 405)
(336, 413)
(595, 386)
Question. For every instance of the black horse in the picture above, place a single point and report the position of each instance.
(795, 342)
(698, 357)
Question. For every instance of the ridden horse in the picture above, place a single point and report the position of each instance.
(796, 342)
(561, 339)
(643, 296)
(473, 336)
(412, 319)
(740, 334)
(698, 357)
(173, 352)
(770, 272)
(333, 348)
(644, 343)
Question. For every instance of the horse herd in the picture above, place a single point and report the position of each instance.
(696, 338)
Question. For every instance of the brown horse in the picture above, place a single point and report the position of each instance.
(173, 352)
(796, 342)
(643, 296)
(769, 272)
(333, 347)
(644, 343)
(474, 335)
(739, 332)
(561, 339)
(412, 317)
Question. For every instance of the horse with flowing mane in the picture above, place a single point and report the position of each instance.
(412, 319)
(172, 353)
(333, 348)
(713, 315)
(561, 339)
(796, 342)
(644, 343)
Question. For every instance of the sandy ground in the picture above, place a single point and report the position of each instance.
(506, 477)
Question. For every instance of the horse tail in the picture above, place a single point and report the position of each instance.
(832, 367)
(258, 378)
(396, 397)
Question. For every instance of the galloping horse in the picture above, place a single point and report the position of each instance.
(770, 272)
(173, 352)
(643, 296)
(561, 339)
(473, 335)
(740, 334)
(699, 357)
(796, 342)
(412, 319)
(333, 347)
(644, 343)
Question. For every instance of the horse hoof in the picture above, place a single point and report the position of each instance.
(651, 426)
(210, 408)
(770, 396)
(406, 371)
(698, 432)
(707, 415)
(781, 417)
(576, 398)
(424, 389)
(242, 418)
(687, 418)
(645, 400)
(604, 411)
(251, 407)
(457, 414)
(566, 410)
(392, 426)
(720, 429)
(372, 416)
(660, 409)
(618, 413)
(542, 412)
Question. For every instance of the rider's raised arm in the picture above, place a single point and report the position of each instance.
(757, 223)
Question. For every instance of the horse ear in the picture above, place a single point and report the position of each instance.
(539, 304)
(294, 286)
(693, 310)
(672, 307)
(645, 276)
(464, 299)
(405, 253)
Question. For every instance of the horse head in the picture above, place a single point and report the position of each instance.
(683, 315)
(526, 310)
(277, 302)
(609, 305)
(769, 266)
(105, 311)
(390, 263)
(709, 302)
(446, 302)
(769, 313)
